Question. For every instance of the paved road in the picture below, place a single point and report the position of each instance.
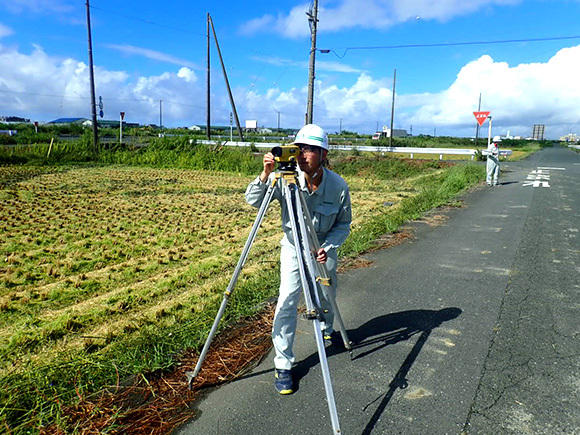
(470, 328)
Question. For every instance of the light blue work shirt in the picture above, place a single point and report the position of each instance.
(329, 207)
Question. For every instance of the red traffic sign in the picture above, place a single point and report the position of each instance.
(480, 117)
(123, 115)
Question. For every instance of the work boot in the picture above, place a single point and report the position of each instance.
(283, 382)
(333, 339)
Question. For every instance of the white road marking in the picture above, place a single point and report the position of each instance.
(537, 183)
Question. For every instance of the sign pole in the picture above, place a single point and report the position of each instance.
(121, 127)
(489, 132)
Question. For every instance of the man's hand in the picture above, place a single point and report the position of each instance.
(321, 256)
(269, 165)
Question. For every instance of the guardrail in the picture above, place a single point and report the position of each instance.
(406, 150)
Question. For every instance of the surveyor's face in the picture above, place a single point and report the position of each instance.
(310, 158)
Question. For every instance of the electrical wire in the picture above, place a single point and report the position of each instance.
(147, 21)
(445, 44)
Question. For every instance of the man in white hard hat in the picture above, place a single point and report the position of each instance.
(328, 199)
(492, 178)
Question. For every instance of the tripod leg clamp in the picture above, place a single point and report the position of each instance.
(315, 314)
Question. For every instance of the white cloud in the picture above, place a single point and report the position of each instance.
(517, 96)
(372, 14)
(321, 65)
(440, 10)
(38, 6)
(292, 25)
(522, 95)
(5, 30)
(152, 54)
(42, 87)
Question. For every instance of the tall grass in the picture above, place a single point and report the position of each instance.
(180, 153)
(433, 191)
(175, 152)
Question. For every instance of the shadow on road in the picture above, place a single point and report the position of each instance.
(383, 331)
(393, 328)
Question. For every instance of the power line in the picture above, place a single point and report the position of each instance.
(446, 44)
(42, 95)
(142, 20)
(143, 100)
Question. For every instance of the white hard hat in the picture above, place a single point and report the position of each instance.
(496, 139)
(312, 134)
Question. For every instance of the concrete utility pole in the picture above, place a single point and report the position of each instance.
(313, 20)
(207, 128)
(160, 113)
(240, 134)
(92, 79)
(477, 124)
(393, 108)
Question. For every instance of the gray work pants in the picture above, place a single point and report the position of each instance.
(285, 317)
(492, 171)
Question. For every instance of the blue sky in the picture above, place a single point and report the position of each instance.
(146, 52)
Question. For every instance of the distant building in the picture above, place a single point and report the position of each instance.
(264, 130)
(538, 132)
(195, 128)
(81, 121)
(571, 137)
(13, 120)
(251, 124)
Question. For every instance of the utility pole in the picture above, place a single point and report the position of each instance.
(393, 108)
(313, 20)
(226, 79)
(208, 128)
(477, 123)
(340, 128)
(278, 121)
(160, 113)
(92, 79)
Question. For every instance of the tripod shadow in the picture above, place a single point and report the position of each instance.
(395, 328)
(380, 332)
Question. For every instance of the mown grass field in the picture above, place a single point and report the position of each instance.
(107, 271)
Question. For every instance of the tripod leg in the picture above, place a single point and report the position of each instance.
(326, 377)
(324, 281)
(233, 281)
(308, 283)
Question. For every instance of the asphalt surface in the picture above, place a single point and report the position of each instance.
(471, 327)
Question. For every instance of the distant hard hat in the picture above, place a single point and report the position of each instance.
(312, 134)
(496, 139)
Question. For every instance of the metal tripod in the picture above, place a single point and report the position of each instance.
(313, 276)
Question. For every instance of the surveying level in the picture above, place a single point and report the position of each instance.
(286, 156)
(313, 275)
